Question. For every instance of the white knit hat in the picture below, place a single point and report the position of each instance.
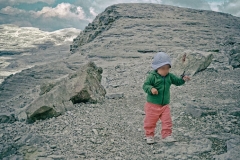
(160, 59)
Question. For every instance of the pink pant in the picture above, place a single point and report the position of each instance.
(154, 112)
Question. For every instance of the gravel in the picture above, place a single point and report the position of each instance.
(114, 129)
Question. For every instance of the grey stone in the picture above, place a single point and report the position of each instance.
(191, 62)
(53, 146)
(233, 147)
(95, 131)
(16, 157)
(235, 57)
(25, 138)
(17, 138)
(199, 146)
(197, 112)
(57, 157)
(44, 158)
(81, 86)
(115, 95)
(235, 113)
(7, 117)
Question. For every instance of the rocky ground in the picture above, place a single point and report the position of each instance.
(205, 111)
(114, 129)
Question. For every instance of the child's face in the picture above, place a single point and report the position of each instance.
(164, 70)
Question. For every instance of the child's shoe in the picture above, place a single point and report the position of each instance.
(150, 140)
(169, 139)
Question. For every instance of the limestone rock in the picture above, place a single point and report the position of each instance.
(101, 23)
(81, 86)
(191, 62)
(235, 113)
(56, 157)
(235, 57)
(201, 145)
(115, 95)
(199, 111)
(233, 147)
(7, 117)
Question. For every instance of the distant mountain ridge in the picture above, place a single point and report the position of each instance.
(23, 39)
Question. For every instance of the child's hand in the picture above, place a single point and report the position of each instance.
(186, 78)
(154, 91)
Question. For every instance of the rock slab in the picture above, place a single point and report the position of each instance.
(55, 98)
(192, 62)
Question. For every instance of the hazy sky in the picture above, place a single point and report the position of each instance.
(57, 14)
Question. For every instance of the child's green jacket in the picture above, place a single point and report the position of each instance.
(162, 84)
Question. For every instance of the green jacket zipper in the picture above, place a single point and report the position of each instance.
(163, 90)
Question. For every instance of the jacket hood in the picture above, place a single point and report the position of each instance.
(160, 59)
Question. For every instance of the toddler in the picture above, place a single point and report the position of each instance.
(157, 86)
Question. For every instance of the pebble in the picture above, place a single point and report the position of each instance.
(159, 151)
(115, 95)
(17, 138)
(53, 146)
(56, 157)
(95, 131)
(227, 129)
(113, 150)
(93, 140)
(81, 153)
(30, 150)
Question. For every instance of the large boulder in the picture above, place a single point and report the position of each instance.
(191, 62)
(234, 59)
(57, 97)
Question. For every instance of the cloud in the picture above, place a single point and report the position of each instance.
(63, 10)
(92, 11)
(215, 6)
(231, 6)
(64, 15)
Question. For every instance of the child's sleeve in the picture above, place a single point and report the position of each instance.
(148, 84)
(176, 80)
